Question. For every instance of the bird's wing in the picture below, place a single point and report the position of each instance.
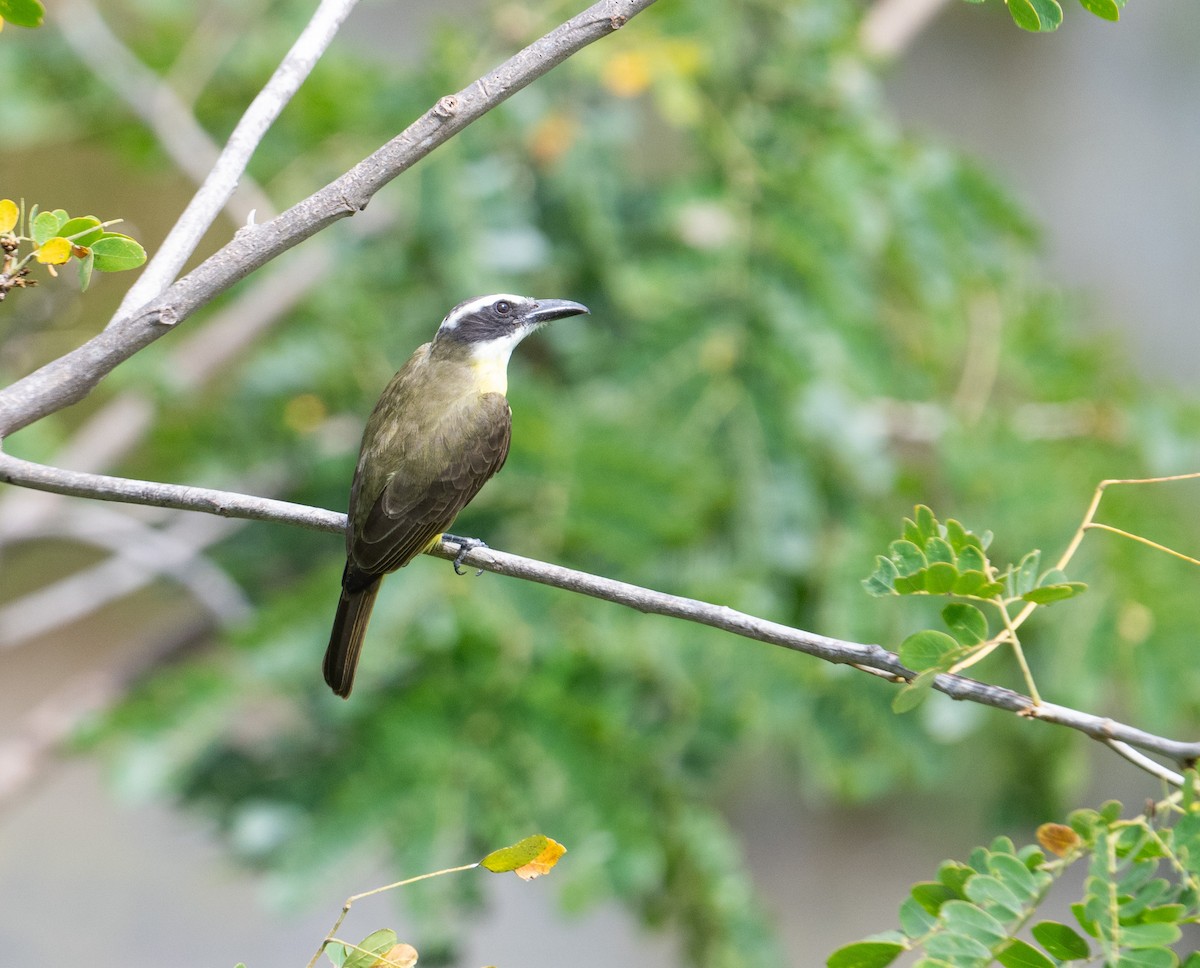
(411, 511)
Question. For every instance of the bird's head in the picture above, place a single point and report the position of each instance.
(495, 324)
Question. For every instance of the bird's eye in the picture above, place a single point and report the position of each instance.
(503, 307)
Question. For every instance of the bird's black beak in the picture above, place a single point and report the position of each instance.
(548, 310)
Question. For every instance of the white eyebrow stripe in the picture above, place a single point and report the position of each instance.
(462, 310)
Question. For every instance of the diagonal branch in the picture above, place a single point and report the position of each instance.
(873, 659)
(71, 377)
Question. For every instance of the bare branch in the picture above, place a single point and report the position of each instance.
(71, 377)
(226, 504)
(869, 658)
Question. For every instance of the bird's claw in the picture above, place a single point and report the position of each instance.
(465, 547)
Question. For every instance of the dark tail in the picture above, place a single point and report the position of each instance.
(349, 627)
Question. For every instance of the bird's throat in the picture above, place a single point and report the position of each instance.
(490, 368)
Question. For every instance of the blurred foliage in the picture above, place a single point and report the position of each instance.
(804, 321)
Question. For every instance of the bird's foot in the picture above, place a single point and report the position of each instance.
(465, 547)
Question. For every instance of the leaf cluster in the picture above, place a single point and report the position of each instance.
(1142, 885)
(932, 558)
(53, 238)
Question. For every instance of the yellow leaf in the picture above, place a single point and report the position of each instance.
(9, 212)
(399, 955)
(543, 863)
(1057, 838)
(528, 858)
(54, 252)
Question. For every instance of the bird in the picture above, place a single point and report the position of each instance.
(439, 432)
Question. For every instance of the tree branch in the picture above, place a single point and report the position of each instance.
(71, 377)
(873, 659)
(185, 140)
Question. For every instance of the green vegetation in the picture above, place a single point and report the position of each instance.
(804, 321)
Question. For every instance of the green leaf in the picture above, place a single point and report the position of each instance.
(928, 649)
(82, 231)
(1153, 935)
(1085, 921)
(970, 921)
(966, 623)
(866, 954)
(116, 253)
(910, 585)
(956, 534)
(86, 264)
(336, 952)
(1049, 13)
(938, 549)
(883, 580)
(927, 525)
(971, 559)
(1148, 958)
(1105, 9)
(1172, 913)
(23, 13)
(940, 578)
(373, 945)
(955, 876)
(991, 895)
(1019, 954)
(931, 895)
(1048, 594)
(1061, 940)
(1015, 875)
(46, 225)
(915, 920)
(907, 557)
(1035, 15)
(958, 949)
(1025, 574)
(911, 696)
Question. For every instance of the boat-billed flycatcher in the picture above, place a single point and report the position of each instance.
(438, 432)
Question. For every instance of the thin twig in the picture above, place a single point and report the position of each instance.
(839, 651)
(72, 376)
(1143, 762)
(379, 890)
